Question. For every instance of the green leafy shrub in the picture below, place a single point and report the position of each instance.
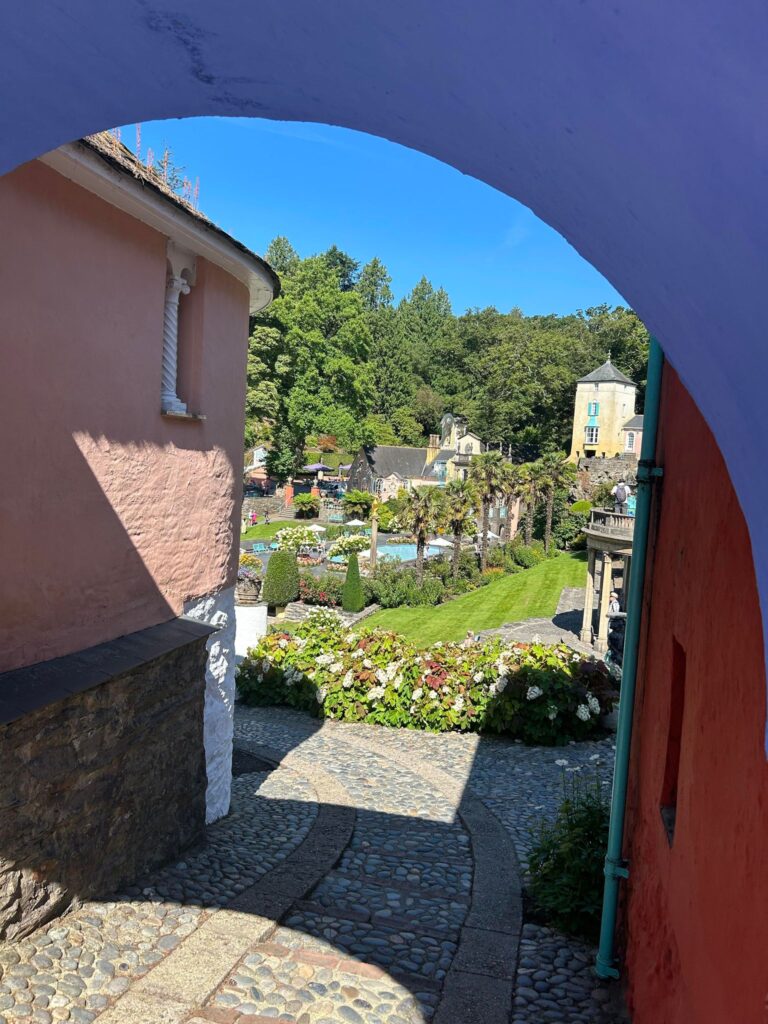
(281, 584)
(534, 692)
(525, 556)
(581, 506)
(324, 591)
(601, 496)
(387, 518)
(358, 504)
(393, 586)
(352, 599)
(345, 546)
(307, 506)
(566, 864)
(291, 538)
(569, 532)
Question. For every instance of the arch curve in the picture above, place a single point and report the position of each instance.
(636, 130)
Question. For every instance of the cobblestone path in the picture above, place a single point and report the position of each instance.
(364, 875)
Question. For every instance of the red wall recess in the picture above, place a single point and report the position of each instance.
(696, 912)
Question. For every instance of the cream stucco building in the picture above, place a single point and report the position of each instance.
(604, 420)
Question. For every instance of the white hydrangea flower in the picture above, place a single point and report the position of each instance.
(375, 693)
(381, 675)
(493, 689)
(459, 703)
(438, 644)
(502, 684)
(533, 692)
(478, 677)
(392, 670)
(582, 712)
(358, 654)
(417, 693)
(367, 663)
(594, 704)
(282, 643)
(320, 695)
(446, 689)
(336, 667)
(552, 713)
(433, 695)
(348, 679)
(398, 682)
(576, 657)
(324, 659)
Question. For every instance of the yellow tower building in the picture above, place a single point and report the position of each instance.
(605, 403)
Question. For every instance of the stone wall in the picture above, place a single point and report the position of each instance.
(591, 472)
(102, 769)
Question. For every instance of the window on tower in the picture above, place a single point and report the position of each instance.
(591, 435)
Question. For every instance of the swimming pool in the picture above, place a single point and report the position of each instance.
(398, 552)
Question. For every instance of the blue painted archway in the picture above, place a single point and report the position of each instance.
(637, 130)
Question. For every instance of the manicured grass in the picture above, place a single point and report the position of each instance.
(526, 595)
(266, 531)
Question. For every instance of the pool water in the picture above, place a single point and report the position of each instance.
(399, 552)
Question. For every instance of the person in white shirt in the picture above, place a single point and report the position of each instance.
(621, 493)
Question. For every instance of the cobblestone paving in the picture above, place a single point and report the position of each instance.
(374, 940)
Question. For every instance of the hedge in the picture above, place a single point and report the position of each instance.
(281, 584)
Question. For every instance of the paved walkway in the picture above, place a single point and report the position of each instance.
(364, 875)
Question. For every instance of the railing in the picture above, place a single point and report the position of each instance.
(611, 524)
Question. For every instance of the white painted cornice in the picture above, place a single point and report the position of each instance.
(118, 187)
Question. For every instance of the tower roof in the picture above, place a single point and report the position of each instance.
(606, 372)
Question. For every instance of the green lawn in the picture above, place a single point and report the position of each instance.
(264, 531)
(526, 595)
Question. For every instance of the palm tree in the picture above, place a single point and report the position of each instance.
(530, 481)
(486, 472)
(419, 517)
(512, 492)
(556, 473)
(461, 502)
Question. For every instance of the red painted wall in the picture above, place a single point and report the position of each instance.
(696, 914)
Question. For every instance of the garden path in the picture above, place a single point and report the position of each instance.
(364, 876)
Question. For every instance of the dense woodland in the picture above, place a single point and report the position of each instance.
(336, 358)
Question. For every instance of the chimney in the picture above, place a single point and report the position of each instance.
(433, 448)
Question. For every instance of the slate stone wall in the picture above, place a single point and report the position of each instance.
(99, 786)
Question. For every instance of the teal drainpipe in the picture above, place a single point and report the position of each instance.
(615, 867)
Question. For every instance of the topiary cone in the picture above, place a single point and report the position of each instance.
(352, 599)
(281, 584)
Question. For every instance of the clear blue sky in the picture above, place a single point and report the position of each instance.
(320, 185)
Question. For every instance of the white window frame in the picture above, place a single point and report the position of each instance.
(630, 446)
(591, 435)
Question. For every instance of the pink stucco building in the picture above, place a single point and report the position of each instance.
(124, 330)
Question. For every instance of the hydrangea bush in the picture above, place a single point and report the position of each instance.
(344, 546)
(537, 693)
(291, 538)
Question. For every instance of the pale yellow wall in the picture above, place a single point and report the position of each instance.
(617, 405)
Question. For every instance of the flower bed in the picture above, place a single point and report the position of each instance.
(537, 693)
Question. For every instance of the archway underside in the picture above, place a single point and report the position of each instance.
(632, 130)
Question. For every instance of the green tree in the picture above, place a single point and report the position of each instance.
(556, 474)
(343, 266)
(407, 427)
(373, 284)
(486, 472)
(358, 504)
(420, 516)
(281, 255)
(460, 505)
(531, 482)
(352, 599)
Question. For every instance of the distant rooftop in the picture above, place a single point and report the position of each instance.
(636, 423)
(605, 373)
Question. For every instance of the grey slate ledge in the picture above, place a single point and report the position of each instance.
(28, 689)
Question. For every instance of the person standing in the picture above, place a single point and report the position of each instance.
(613, 605)
(621, 493)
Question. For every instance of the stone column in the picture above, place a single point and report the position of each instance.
(606, 585)
(625, 584)
(170, 401)
(589, 598)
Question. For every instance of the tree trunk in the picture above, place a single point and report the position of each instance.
(506, 536)
(456, 554)
(374, 541)
(548, 521)
(420, 541)
(529, 510)
(484, 538)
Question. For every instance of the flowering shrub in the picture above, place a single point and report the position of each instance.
(534, 692)
(344, 546)
(324, 590)
(293, 537)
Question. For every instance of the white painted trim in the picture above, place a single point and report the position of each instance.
(122, 190)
